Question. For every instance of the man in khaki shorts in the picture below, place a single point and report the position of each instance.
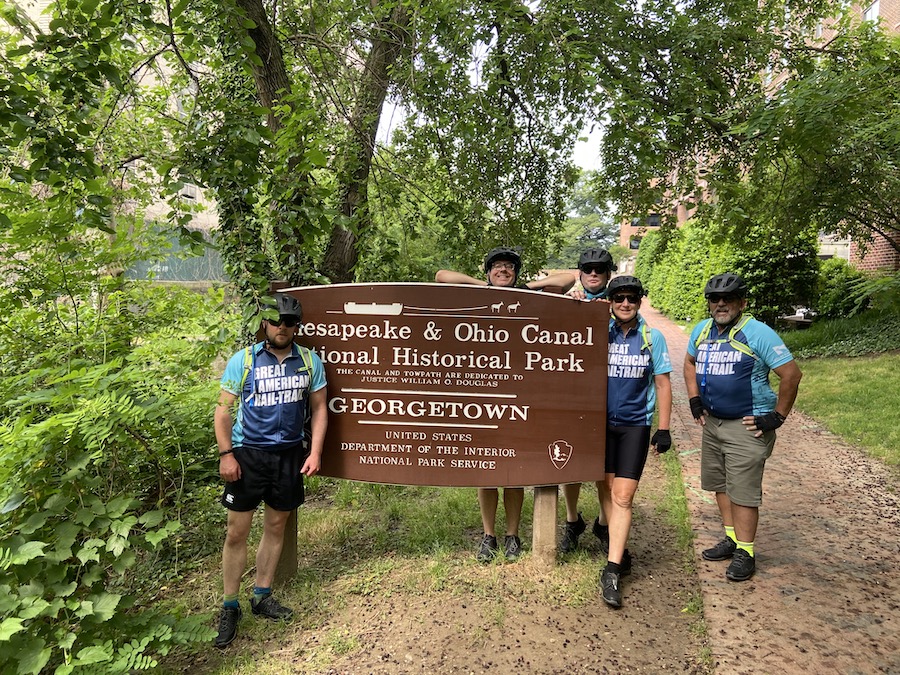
(726, 371)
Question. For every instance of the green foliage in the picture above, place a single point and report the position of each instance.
(837, 289)
(107, 416)
(872, 332)
(675, 265)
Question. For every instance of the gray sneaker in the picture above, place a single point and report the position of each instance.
(488, 549)
(270, 608)
(512, 547)
(609, 586)
(721, 551)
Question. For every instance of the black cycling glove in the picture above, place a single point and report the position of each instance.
(696, 404)
(662, 439)
(769, 422)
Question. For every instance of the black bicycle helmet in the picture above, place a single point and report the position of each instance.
(726, 284)
(502, 253)
(597, 256)
(288, 305)
(624, 282)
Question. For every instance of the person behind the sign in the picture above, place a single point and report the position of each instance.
(637, 384)
(594, 269)
(259, 430)
(501, 267)
(726, 371)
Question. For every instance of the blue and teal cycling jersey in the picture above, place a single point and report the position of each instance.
(633, 361)
(732, 382)
(595, 296)
(272, 399)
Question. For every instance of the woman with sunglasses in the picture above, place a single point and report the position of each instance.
(637, 379)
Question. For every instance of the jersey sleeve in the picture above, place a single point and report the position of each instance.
(692, 340)
(318, 373)
(234, 373)
(662, 364)
(767, 344)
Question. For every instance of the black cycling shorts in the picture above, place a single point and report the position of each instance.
(626, 450)
(270, 476)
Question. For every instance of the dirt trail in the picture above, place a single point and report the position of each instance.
(826, 595)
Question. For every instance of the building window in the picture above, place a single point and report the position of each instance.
(634, 243)
(653, 220)
(189, 191)
(871, 13)
(818, 32)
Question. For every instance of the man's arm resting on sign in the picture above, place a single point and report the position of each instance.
(229, 469)
(318, 404)
(451, 277)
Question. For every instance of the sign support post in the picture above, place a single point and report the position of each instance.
(543, 537)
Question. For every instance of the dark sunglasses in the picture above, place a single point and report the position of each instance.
(622, 297)
(715, 298)
(289, 321)
(599, 269)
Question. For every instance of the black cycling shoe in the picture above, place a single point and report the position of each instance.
(270, 608)
(570, 535)
(228, 621)
(721, 551)
(602, 533)
(609, 586)
(742, 566)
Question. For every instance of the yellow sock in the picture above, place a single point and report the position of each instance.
(746, 545)
(729, 532)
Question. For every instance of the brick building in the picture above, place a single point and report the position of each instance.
(880, 253)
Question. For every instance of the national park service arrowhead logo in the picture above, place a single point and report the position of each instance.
(560, 452)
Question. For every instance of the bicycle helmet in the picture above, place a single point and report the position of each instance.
(502, 253)
(288, 305)
(725, 284)
(597, 256)
(623, 282)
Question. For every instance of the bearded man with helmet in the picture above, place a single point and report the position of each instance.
(501, 267)
(267, 392)
(726, 371)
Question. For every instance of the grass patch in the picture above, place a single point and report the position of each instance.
(855, 398)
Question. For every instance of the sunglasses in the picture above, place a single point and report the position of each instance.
(289, 321)
(715, 298)
(595, 269)
(619, 298)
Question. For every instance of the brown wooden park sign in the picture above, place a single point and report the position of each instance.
(453, 385)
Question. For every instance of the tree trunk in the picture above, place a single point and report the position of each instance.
(389, 38)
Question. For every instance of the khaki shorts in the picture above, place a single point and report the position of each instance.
(733, 459)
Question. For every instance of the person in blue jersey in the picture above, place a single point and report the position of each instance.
(595, 265)
(501, 267)
(638, 383)
(726, 371)
(267, 391)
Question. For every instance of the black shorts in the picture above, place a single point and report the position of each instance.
(626, 450)
(270, 476)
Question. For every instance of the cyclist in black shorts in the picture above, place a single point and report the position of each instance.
(637, 374)
(259, 423)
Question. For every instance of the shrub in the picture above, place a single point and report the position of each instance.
(837, 289)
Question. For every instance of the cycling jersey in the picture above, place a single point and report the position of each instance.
(633, 361)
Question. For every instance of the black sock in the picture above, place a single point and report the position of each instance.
(613, 567)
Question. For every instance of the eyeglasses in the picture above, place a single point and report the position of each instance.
(595, 269)
(503, 266)
(715, 298)
(289, 321)
(619, 298)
